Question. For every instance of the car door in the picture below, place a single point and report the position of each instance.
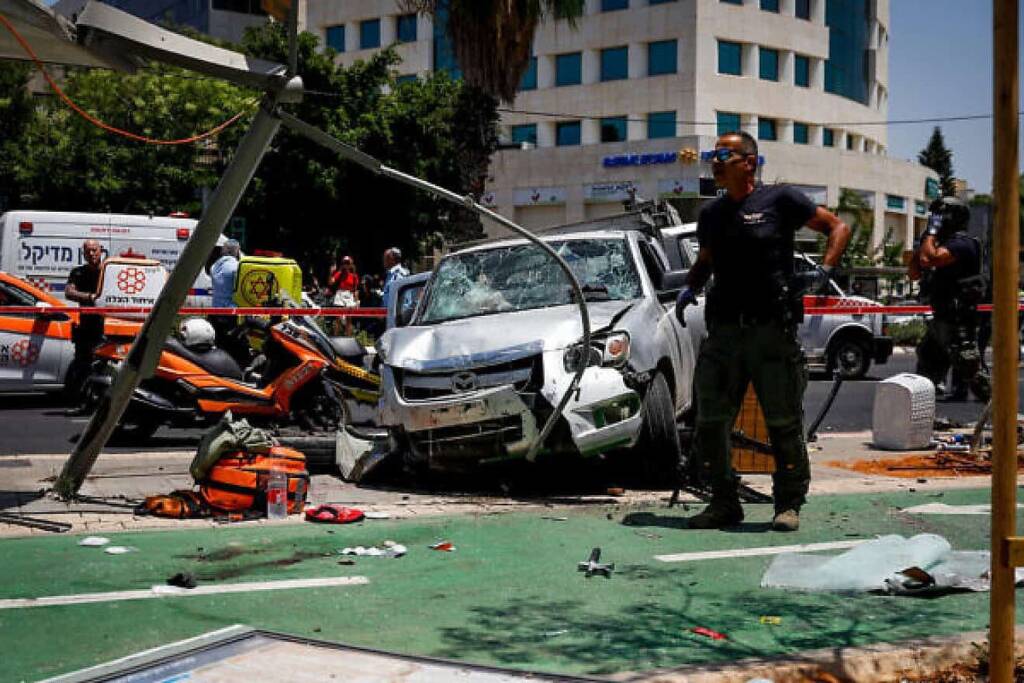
(34, 347)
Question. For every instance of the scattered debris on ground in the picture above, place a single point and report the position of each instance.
(942, 464)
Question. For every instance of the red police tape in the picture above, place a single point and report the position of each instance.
(813, 305)
(135, 310)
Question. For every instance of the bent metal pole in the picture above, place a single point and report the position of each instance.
(1005, 347)
(145, 352)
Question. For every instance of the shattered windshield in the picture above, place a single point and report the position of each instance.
(520, 277)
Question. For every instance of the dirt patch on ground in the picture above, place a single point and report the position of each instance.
(925, 465)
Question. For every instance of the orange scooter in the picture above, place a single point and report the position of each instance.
(302, 378)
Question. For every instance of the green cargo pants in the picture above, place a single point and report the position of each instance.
(733, 356)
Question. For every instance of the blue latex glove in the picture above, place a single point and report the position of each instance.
(822, 286)
(686, 298)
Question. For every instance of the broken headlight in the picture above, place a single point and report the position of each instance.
(609, 350)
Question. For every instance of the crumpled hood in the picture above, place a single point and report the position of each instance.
(492, 339)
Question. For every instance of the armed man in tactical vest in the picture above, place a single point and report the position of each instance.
(951, 262)
(753, 309)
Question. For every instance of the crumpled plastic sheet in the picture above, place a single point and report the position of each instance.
(923, 564)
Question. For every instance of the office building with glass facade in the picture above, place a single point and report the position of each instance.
(615, 100)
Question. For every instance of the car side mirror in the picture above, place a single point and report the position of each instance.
(671, 283)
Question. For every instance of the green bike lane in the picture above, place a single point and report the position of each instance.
(509, 595)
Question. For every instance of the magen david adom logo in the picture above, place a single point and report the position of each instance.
(24, 353)
(131, 280)
(258, 286)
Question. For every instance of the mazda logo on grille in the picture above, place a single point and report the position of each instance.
(464, 381)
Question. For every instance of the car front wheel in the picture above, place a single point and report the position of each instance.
(851, 357)
(658, 446)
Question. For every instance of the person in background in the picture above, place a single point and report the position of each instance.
(343, 290)
(370, 297)
(223, 273)
(393, 270)
(83, 288)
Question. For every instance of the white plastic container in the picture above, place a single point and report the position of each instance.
(904, 412)
(277, 495)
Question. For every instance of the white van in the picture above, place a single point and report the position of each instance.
(43, 246)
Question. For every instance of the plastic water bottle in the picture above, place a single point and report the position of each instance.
(277, 495)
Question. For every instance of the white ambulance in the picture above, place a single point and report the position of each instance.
(43, 246)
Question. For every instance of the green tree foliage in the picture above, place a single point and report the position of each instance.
(492, 39)
(854, 209)
(72, 164)
(15, 116)
(937, 157)
(317, 203)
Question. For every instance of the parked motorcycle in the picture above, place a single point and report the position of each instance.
(301, 379)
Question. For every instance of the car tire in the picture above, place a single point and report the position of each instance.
(658, 445)
(850, 356)
(318, 449)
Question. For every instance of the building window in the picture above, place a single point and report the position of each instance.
(767, 129)
(801, 133)
(613, 129)
(803, 9)
(661, 124)
(567, 133)
(612, 5)
(802, 71)
(732, 2)
(336, 38)
(444, 54)
(662, 57)
(369, 34)
(525, 133)
(895, 202)
(614, 63)
(661, 2)
(770, 5)
(569, 69)
(849, 142)
(728, 122)
(730, 58)
(529, 81)
(828, 137)
(769, 64)
(405, 78)
(405, 28)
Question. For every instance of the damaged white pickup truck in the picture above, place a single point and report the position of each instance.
(494, 345)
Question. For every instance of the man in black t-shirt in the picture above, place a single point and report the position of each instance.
(753, 310)
(955, 289)
(83, 288)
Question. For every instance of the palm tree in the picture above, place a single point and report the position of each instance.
(491, 39)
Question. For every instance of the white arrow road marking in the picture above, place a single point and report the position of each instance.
(176, 592)
(757, 552)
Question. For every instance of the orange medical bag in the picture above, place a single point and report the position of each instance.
(239, 480)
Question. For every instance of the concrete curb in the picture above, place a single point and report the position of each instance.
(880, 663)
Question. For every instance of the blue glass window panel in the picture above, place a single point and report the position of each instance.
(803, 9)
(662, 57)
(770, 5)
(733, 2)
(405, 78)
(405, 28)
(369, 34)
(895, 202)
(828, 137)
(660, 2)
(614, 63)
(613, 129)
(526, 132)
(769, 64)
(612, 5)
(661, 124)
(727, 122)
(801, 133)
(802, 71)
(336, 37)
(567, 133)
(529, 81)
(569, 69)
(849, 39)
(730, 58)
(444, 55)
(767, 129)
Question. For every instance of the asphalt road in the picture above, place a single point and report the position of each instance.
(34, 424)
